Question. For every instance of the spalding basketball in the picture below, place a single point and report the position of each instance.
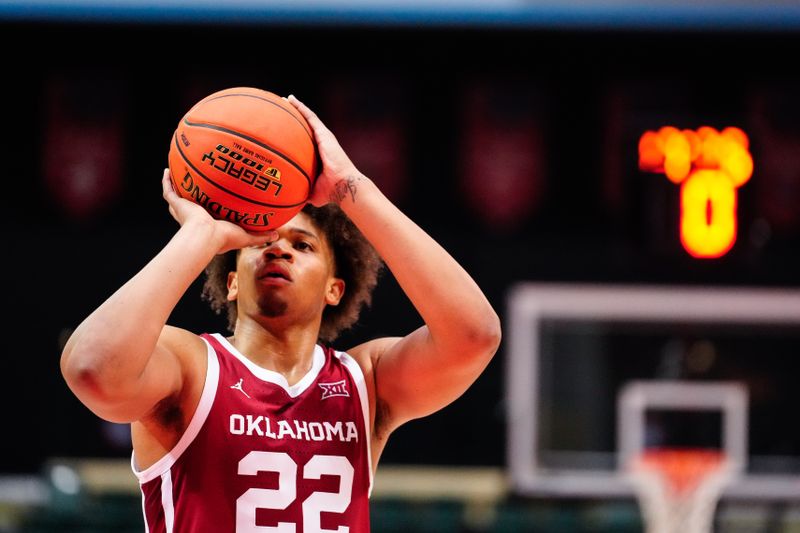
(247, 156)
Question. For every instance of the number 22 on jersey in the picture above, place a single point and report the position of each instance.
(280, 498)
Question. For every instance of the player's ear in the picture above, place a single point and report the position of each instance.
(233, 286)
(335, 291)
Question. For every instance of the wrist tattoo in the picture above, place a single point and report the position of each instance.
(344, 188)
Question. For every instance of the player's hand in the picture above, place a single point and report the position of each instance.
(226, 235)
(338, 172)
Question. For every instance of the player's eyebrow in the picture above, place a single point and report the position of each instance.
(303, 231)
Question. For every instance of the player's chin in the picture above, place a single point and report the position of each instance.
(272, 306)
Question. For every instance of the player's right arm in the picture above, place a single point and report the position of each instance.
(123, 359)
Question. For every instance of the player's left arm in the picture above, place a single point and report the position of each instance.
(429, 368)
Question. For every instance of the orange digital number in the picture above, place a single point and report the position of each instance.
(710, 166)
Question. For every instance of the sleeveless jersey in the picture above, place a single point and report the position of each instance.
(262, 456)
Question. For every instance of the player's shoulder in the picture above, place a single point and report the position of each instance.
(183, 344)
(368, 353)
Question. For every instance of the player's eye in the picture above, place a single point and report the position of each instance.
(303, 246)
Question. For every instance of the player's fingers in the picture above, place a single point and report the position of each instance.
(300, 106)
(166, 185)
(309, 115)
(258, 238)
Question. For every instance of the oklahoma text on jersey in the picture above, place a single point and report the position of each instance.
(296, 429)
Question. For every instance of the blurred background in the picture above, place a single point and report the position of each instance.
(508, 129)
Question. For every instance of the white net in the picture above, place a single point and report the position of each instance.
(678, 490)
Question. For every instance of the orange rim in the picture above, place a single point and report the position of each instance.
(682, 469)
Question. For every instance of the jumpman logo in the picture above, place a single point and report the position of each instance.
(238, 387)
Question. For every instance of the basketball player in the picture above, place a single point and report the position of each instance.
(266, 430)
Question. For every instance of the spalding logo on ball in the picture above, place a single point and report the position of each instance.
(247, 156)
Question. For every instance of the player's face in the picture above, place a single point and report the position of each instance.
(290, 278)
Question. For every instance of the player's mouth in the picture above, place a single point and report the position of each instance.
(275, 274)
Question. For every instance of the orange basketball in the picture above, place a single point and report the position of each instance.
(246, 155)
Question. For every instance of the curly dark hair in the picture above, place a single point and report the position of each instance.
(356, 262)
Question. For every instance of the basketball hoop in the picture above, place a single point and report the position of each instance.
(678, 489)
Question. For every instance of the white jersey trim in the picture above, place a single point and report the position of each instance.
(166, 501)
(144, 513)
(276, 378)
(361, 384)
(163, 465)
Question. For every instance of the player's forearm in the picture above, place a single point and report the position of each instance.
(111, 346)
(454, 308)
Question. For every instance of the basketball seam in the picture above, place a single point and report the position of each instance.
(276, 104)
(251, 139)
(217, 185)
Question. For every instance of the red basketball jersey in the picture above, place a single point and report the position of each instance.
(262, 456)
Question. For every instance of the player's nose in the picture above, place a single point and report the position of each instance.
(278, 249)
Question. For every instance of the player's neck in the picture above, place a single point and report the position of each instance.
(289, 351)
